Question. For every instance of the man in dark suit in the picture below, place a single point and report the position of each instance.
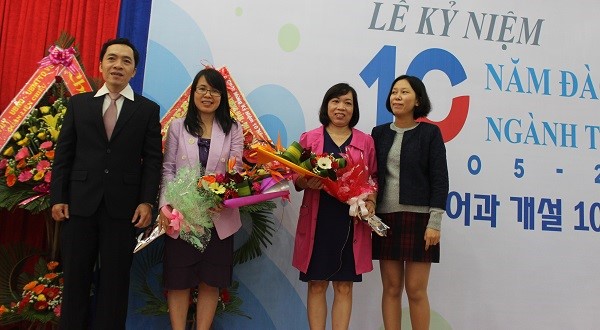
(106, 175)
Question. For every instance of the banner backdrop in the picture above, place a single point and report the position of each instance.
(514, 87)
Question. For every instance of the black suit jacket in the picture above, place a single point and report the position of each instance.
(125, 171)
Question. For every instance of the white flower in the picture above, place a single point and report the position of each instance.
(324, 163)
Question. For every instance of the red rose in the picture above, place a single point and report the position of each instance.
(225, 297)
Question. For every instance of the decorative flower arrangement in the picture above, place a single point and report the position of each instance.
(26, 160)
(193, 198)
(41, 299)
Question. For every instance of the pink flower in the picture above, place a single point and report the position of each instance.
(3, 163)
(48, 177)
(25, 176)
(46, 145)
(57, 311)
(23, 153)
(43, 165)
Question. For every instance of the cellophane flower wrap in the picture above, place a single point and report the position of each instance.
(353, 185)
(193, 193)
(194, 203)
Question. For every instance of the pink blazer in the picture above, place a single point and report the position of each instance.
(307, 221)
(181, 149)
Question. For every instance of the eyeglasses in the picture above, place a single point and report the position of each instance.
(212, 92)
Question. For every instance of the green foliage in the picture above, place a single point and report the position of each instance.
(142, 270)
(233, 306)
(12, 280)
(262, 230)
(10, 197)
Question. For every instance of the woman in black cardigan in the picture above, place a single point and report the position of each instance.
(413, 187)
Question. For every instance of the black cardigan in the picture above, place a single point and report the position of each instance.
(423, 170)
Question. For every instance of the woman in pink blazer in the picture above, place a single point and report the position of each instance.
(208, 136)
(331, 245)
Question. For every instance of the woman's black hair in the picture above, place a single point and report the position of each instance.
(424, 107)
(334, 91)
(222, 114)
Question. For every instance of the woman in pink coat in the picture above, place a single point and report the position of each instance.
(331, 245)
(208, 136)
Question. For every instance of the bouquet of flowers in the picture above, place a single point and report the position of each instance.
(193, 199)
(352, 187)
(191, 218)
(41, 299)
(26, 160)
(251, 186)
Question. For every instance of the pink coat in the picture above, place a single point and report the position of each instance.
(181, 149)
(307, 221)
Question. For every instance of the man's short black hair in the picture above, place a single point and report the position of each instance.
(121, 41)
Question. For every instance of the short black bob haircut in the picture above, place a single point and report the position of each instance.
(334, 91)
(424, 107)
(121, 41)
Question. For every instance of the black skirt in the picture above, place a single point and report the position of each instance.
(185, 267)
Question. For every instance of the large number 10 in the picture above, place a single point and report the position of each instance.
(382, 68)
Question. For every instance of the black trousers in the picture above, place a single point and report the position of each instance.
(85, 240)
